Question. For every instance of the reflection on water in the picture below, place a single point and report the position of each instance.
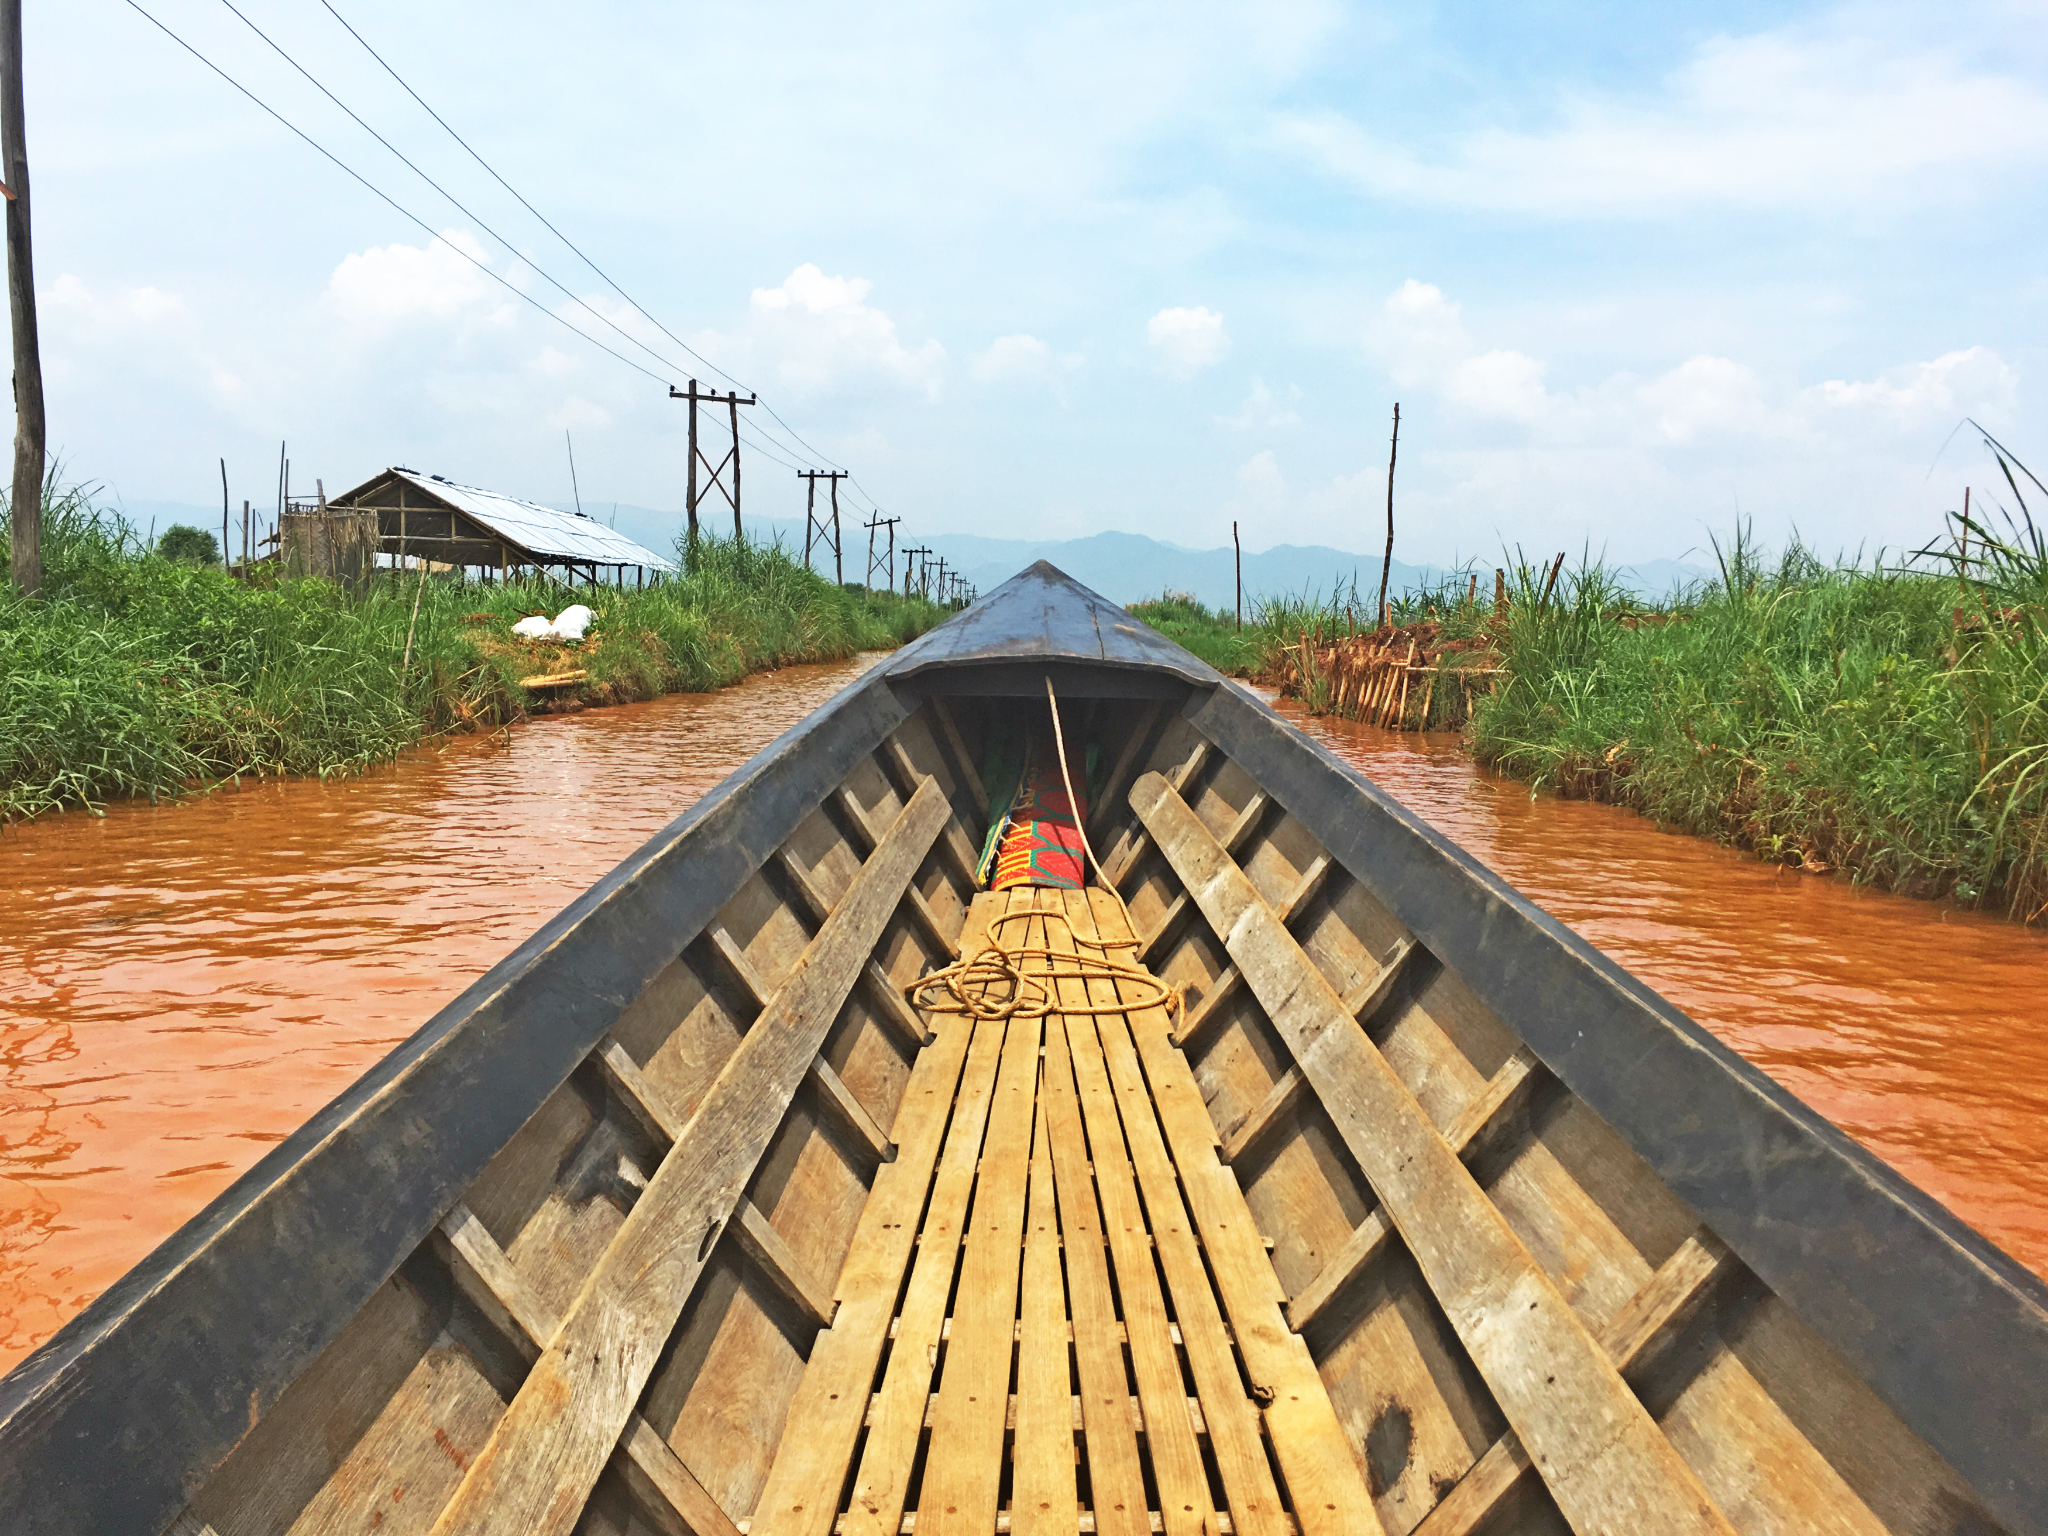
(187, 984)
(1921, 1031)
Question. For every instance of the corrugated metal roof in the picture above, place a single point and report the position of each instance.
(542, 530)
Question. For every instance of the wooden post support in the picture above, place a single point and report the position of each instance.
(814, 525)
(1387, 563)
(732, 402)
(27, 550)
(1237, 550)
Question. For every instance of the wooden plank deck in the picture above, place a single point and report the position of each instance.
(1024, 1393)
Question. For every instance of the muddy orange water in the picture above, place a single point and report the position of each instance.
(181, 986)
(1920, 1030)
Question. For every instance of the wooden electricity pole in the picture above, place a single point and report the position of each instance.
(1387, 564)
(1238, 550)
(813, 521)
(879, 521)
(910, 557)
(732, 402)
(27, 551)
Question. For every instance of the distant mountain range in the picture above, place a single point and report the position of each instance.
(1124, 567)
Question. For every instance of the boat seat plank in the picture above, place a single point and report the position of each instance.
(1186, 1503)
(903, 750)
(883, 994)
(1467, 1136)
(1044, 1498)
(536, 1471)
(654, 1471)
(1315, 1457)
(801, 1496)
(1116, 1476)
(1231, 1418)
(1549, 1375)
(941, 938)
(1193, 756)
(1673, 1291)
(896, 1422)
(751, 1231)
(1198, 1026)
(963, 1470)
(837, 1102)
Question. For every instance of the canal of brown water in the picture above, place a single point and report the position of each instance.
(186, 984)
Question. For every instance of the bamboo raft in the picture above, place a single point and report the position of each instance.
(1405, 1211)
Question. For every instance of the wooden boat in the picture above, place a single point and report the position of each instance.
(1417, 1214)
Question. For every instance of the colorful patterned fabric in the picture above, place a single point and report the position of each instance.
(1042, 844)
(1033, 839)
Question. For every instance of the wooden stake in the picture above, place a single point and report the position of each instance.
(29, 427)
(1387, 564)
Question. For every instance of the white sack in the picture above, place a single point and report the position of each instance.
(572, 622)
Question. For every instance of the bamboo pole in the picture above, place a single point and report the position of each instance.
(29, 425)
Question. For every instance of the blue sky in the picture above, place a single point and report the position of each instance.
(1631, 271)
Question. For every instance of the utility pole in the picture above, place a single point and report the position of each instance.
(813, 521)
(1238, 550)
(1387, 564)
(910, 557)
(732, 402)
(940, 583)
(27, 552)
(879, 521)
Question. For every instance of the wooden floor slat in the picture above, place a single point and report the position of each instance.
(1115, 1473)
(963, 1471)
(1548, 1374)
(801, 1496)
(1231, 1418)
(882, 1485)
(1044, 1499)
(1185, 1501)
(1322, 1475)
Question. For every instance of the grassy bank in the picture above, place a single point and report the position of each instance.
(138, 675)
(1888, 720)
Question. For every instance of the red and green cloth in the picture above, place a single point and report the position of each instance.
(1034, 835)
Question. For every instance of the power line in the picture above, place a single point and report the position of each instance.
(463, 208)
(610, 282)
(371, 187)
(765, 446)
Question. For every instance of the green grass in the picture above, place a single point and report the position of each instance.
(1889, 720)
(137, 675)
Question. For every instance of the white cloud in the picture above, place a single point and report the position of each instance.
(1972, 381)
(1263, 409)
(1021, 359)
(124, 310)
(1499, 384)
(813, 334)
(393, 283)
(1187, 340)
(1804, 118)
(1418, 335)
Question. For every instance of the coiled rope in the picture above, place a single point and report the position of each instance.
(998, 982)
